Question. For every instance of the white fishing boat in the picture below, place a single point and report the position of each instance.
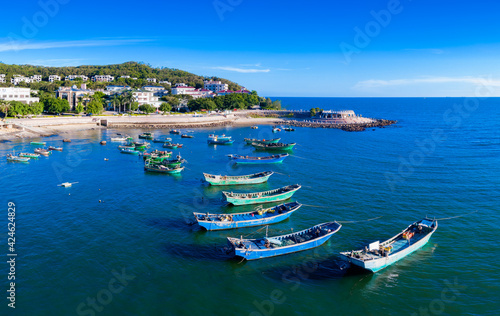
(379, 255)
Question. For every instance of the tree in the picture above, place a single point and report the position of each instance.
(36, 108)
(95, 107)
(134, 106)
(4, 108)
(115, 100)
(79, 108)
(165, 107)
(314, 111)
(55, 105)
(147, 108)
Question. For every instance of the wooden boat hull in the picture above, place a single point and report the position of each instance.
(18, 159)
(145, 137)
(245, 220)
(31, 156)
(244, 160)
(378, 264)
(273, 148)
(130, 152)
(224, 180)
(254, 253)
(250, 141)
(187, 136)
(263, 198)
(220, 142)
(168, 171)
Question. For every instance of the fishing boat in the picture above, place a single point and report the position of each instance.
(172, 145)
(254, 127)
(251, 249)
(175, 132)
(157, 155)
(257, 217)
(29, 155)
(162, 140)
(217, 141)
(66, 140)
(55, 148)
(141, 144)
(260, 177)
(13, 158)
(274, 146)
(38, 143)
(219, 137)
(162, 169)
(129, 151)
(119, 139)
(276, 129)
(42, 151)
(275, 195)
(126, 146)
(187, 136)
(379, 255)
(250, 141)
(257, 160)
(289, 129)
(146, 135)
(66, 184)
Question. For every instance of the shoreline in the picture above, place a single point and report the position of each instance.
(43, 127)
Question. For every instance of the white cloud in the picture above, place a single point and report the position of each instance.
(241, 70)
(372, 83)
(16, 45)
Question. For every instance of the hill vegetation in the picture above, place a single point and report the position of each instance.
(137, 70)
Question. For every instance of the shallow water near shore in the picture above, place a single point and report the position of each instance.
(119, 223)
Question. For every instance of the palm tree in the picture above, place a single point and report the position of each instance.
(4, 107)
(128, 98)
(115, 100)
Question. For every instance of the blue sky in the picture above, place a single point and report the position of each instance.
(279, 48)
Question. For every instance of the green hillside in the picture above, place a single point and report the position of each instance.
(137, 70)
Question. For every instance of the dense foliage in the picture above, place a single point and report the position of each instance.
(314, 111)
(147, 108)
(16, 108)
(226, 102)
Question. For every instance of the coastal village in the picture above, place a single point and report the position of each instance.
(149, 94)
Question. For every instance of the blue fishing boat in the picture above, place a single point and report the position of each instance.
(255, 178)
(220, 137)
(258, 217)
(251, 249)
(216, 141)
(129, 151)
(162, 140)
(267, 159)
(379, 255)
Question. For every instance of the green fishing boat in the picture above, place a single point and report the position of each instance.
(250, 141)
(260, 177)
(273, 146)
(157, 155)
(146, 135)
(29, 155)
(275, 195)
(38, 143)
(163, 169)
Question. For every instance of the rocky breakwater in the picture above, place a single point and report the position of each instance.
(352, 127)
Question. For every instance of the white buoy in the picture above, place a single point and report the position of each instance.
(66, 184)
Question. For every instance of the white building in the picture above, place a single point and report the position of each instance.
(166, 82)
(2, 78)
(195, 93)
(151, 80)
(16, 79)
(53, 78)
(215, 86)
(146, 97)
(153, 88)
(73, 77)
(103, 78)
(124, 77)
(180, 85)
(17, 94)
(117, 88)
(36, 78)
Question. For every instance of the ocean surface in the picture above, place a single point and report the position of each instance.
(119, 241)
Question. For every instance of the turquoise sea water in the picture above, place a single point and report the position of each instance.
(134, 253)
